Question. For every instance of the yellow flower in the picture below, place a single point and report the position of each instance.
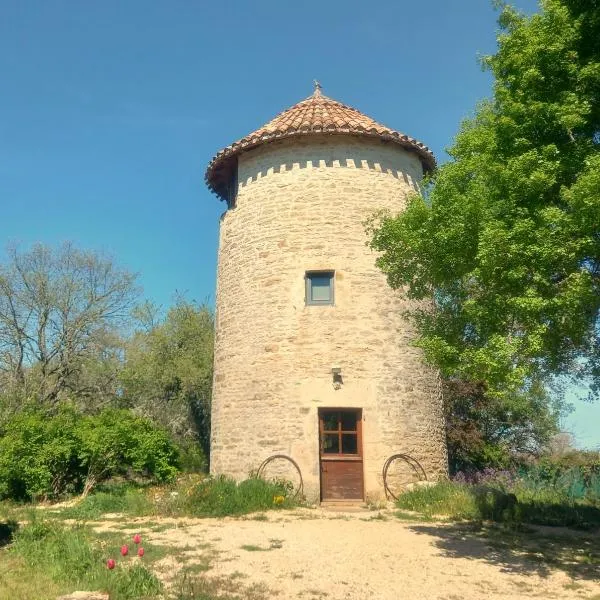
(278, 499)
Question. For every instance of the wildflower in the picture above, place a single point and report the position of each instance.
(137, 538)
(278, 499)
(110, 564)
(124, 550)
(140, 552)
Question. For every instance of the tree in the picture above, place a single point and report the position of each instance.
(168, 370)
(488, 431)
(60, 314)
(506, 236)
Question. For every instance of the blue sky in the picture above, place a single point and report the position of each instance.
(110, 111)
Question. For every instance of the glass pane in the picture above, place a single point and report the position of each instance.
(320, 288)
(330, 421)
(348, 421)
(349, 443)
(331, 443)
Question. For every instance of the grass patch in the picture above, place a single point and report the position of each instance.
(222, 497)
(273, 545)
(378, 517)
(253, 548)
(445, 498)
(19, 582)
(132, 501)
(191, 496)
(190, 587)
(70, 558)
(260, 517)
(412, 516)
(460, 501)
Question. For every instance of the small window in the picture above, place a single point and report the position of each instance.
(319, 287)
(340, 431)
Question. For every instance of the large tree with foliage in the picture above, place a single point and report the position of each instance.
(506, 236)
(168, 370)
(61, 314)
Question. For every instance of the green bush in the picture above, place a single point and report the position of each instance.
(443, 499)
(520, 502)
(576, 474)
(191, 456)
(188, 497)
(38, 456)
(49, 456)
(116, 442)
(220, 496)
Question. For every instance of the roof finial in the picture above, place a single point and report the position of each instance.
(317, 91)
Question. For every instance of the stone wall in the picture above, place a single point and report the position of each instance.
(301, 205)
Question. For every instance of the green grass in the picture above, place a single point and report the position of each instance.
(47, 553)
(119, 499)
(46, 557)
(190, 497)
(443, 499)
(458, 501)
(253, 548)
(190, 587)
(222, 497)
(411, 516)
(274, 544)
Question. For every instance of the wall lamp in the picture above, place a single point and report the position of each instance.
(336, 372)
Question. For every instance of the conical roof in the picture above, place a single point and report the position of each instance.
(317, 114)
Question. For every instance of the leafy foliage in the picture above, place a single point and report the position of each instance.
(116, 442)
(68, 338)
(168, 373)
(47, 456)
(191, 495)
(517, 497)
(506, 238)
(486, 431)
(60, 316)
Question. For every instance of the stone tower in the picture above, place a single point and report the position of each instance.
(313, 359)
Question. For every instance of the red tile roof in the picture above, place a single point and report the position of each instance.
(317, 114)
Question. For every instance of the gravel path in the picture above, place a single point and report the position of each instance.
(358, 555)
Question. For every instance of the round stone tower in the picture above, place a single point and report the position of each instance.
(313, 358)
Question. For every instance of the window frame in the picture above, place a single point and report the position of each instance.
(340, 432)
(308, 287)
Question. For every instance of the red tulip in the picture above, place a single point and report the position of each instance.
(124, 550)
(110, 563)
(140, 552)
(137, 538)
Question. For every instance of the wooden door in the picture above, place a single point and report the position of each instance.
(340, 443)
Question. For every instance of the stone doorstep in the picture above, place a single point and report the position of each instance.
(344, 505)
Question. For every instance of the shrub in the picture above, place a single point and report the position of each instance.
(191, 456)
(116, 442)
(38, 456)
(445, 498)
(222, 496)
(189, 496)
(48, 456)
(505, 498)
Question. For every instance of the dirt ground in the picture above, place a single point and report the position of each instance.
(316, 553)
